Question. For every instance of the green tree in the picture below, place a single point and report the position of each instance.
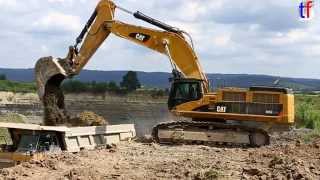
(113, 87)
(3, 77)
(130, 81)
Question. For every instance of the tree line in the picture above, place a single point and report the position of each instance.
(129, 83)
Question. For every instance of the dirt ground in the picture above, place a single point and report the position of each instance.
(289, 156)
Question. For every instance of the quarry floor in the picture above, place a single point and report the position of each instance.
(290, 156)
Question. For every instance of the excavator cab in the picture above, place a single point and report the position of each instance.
(184, 90)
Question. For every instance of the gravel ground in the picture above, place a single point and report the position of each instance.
(288, 157)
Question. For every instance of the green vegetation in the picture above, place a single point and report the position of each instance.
(308, 111)
(130, 81)
(6, 85)
(11, 86)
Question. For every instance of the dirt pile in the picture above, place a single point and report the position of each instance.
(291, 161)
(88, 118)
(294, 159)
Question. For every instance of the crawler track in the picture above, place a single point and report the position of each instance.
(209, 133)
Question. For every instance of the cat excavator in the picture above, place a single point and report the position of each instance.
(217, 117)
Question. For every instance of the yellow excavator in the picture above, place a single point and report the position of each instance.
(216, 117)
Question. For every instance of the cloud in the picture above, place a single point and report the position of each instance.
(266, 14)
(260, 37)
(8, 3)
(57, 21)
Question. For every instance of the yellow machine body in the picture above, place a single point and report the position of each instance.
(243, 105)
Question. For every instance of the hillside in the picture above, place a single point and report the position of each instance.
(160, 79)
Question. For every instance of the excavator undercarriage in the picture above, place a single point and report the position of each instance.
(209, 133)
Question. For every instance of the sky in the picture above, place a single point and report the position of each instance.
(247, 37)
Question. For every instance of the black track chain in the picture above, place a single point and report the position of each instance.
(215, 125)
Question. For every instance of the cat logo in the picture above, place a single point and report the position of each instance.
(140, 37)
(221, 109)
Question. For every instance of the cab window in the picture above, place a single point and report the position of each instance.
(183, 92)
(189, 91)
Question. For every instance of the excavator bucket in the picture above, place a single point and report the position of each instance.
(49, 75)
(48, 72)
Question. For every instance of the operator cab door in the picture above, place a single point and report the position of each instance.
(183, 91)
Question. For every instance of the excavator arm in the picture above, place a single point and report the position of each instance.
(170, 42)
